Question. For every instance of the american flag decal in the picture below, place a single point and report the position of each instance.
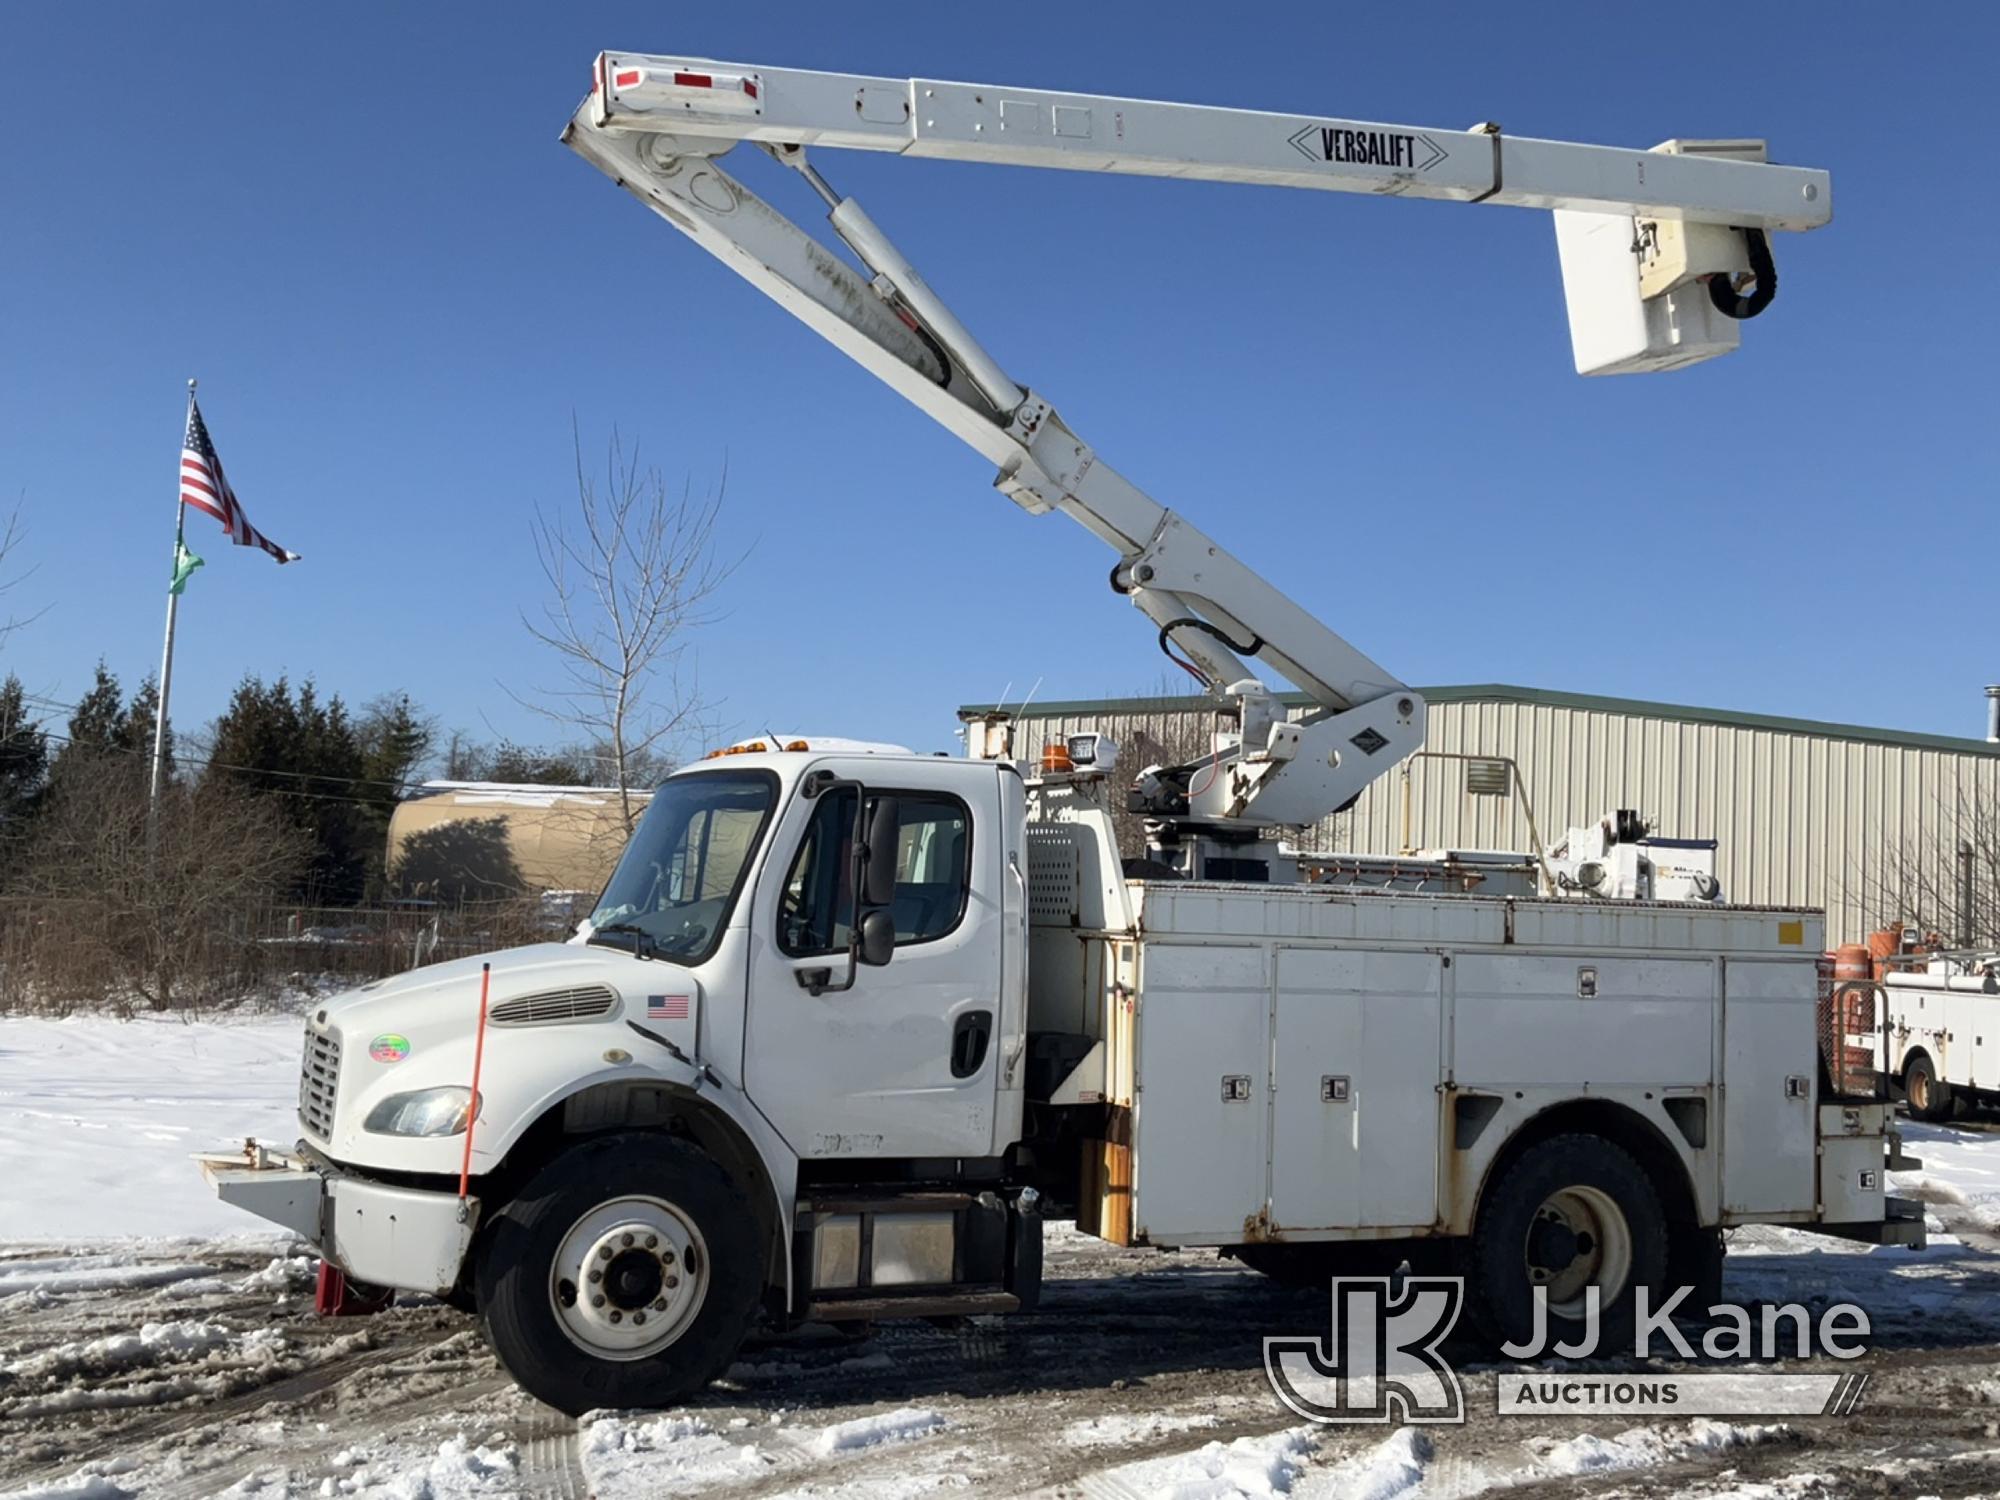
(203, 487)
(666, 1007)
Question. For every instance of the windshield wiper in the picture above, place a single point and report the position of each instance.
(644, 943)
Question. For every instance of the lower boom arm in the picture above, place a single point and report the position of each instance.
(1206, 603)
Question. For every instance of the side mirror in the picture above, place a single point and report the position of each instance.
(878, 873)
(876, 943)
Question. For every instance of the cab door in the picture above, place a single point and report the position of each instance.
(903, 1063)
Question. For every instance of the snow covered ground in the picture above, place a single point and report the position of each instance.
(98, 1118)
(152, 1343)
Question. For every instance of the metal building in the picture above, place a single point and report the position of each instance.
(1873, 825)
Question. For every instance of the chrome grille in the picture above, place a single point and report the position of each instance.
(319, 1082)
(578, 1003)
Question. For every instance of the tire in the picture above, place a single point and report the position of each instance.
(595, 1210)
(1571, 1212)
(1694, 1258)
(1928, 1096)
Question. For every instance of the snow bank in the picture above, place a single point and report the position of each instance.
(640, 1456)
(98, 1118)
(89, 1273)
(465, 1468)
(1644, 1447)
(1117, 1429)
(1250, 1468)
(898, 1426)
(1393, 1468)
(84, 1484)
(153, 1343)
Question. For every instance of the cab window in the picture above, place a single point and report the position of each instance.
(933, 868)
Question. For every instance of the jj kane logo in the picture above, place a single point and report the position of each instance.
(1380, 1360)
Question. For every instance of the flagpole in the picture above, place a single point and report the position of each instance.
(166, 679)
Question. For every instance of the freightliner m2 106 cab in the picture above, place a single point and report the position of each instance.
(849, 1023)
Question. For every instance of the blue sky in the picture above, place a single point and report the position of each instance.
(356, 226)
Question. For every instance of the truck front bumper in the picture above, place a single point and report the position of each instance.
(392, 1236)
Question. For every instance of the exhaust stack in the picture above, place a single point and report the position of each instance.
(1993, 713)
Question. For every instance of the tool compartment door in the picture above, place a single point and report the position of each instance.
(1204, 1086)
(1769, 1046)
(1354, 1138)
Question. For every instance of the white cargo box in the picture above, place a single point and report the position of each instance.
(1299, 1062)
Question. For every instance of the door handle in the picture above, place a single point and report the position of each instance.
(970, 1034)
(813, 979)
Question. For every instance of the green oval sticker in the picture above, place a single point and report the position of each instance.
(389, 1047)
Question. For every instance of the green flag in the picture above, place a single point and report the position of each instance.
(185, 562)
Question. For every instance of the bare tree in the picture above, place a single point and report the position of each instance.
(102, 925)
(631, 571)
(12, 533)
(1942, 876)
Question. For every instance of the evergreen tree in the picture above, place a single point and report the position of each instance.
(93, 724)
(304, 753)
(104, 724)
(395, 742)
(24, 761)
(134, 732)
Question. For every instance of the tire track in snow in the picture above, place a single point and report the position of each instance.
(551, 1464)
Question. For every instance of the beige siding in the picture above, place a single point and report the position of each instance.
(1803, 818)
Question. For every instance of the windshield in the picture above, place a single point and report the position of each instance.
(671, 894)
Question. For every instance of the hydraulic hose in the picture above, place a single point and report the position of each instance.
(1241, 648)
(1733, 304)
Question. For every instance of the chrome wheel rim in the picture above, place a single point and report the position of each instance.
(629, 1277)
(1578, 1238)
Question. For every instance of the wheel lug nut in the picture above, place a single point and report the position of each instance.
(617, 1316)
(652, 1241)
(659, 1304)
(626, 1241)
(638, 1317)
(595, 1277)
(597, 1300)
(604, 1252)
(673, 1281)
(667, 1255)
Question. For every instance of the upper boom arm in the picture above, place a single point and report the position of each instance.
(1096, 133)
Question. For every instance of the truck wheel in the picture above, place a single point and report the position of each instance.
(1928, 1096)
(1573, 1212)
(625, 1274)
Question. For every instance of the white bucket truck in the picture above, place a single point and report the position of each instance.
(849, 1022)
(1937, 1034)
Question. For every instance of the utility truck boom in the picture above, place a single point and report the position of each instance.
(658, 126)
(847, 1021)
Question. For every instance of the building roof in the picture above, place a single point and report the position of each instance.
(517, 794)
(1500, 692)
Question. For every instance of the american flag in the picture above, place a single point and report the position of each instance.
(666, 1007)
(203, 487)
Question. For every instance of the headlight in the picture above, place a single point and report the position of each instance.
(425, 1112)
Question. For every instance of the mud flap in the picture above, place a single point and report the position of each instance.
(1024, 1252)
(336, 1296)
